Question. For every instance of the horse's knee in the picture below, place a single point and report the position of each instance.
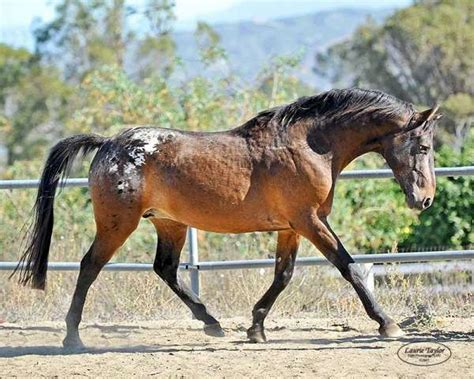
(159, 267)
(352, 273)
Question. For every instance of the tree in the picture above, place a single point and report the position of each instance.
(83, 35)
(157, 49)
(208, 41)
(86, 35)
(422, 54)
(33, 101)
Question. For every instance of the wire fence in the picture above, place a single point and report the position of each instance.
(194, 266)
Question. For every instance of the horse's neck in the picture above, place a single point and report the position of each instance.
(350, 143)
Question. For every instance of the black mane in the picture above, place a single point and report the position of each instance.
(338, 106)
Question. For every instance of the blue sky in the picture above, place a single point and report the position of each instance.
(16, 16)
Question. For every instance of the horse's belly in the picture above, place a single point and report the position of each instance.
(215, 207)
(215, 215)
(228, 223)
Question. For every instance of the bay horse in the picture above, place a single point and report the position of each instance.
(276, 172)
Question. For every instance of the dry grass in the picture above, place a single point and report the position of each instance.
(142, 296)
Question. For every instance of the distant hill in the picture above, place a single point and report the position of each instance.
(251, 44)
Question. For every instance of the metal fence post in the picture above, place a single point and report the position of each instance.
(193, 259)
(369, 276)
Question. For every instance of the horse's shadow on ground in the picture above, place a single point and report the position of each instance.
(382, 342)
(48, 350)
(360, 342)
(102, 328)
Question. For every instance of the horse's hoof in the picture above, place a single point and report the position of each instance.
(391, 330)
(73, 344)
(256, 335)
(214, 330)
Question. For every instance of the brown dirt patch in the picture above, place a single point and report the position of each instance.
(305, 347)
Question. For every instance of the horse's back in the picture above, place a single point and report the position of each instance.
(199, 179)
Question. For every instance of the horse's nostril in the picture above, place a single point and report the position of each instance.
(427, 202)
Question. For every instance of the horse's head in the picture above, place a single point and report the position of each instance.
(410, 155)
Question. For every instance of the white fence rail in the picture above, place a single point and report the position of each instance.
(194, 265)
(353, 174)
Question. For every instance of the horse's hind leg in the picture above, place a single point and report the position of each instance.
(108, 239)
(171, 238)
(287, 248)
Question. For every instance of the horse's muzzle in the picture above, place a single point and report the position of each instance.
(420, 204)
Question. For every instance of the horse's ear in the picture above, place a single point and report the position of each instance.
(429, 115)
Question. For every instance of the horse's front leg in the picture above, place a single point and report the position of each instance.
(318, 231)
(287, 247)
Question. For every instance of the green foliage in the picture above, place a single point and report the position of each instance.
(460, 105)
(13, 65)
(157, 49)
(208, 42)
(160, 15)
(277, 79)
(110, 100)
(33, 101)
(159, 53)
(371, 215)
(422, 54)
(459, 109)
(83, 35)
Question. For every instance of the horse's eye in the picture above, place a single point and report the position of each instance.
(423, 149)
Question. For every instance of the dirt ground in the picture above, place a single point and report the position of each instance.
(305, 347)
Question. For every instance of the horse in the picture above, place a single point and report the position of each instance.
(276, 172)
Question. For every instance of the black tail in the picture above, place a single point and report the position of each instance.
(34, 261)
